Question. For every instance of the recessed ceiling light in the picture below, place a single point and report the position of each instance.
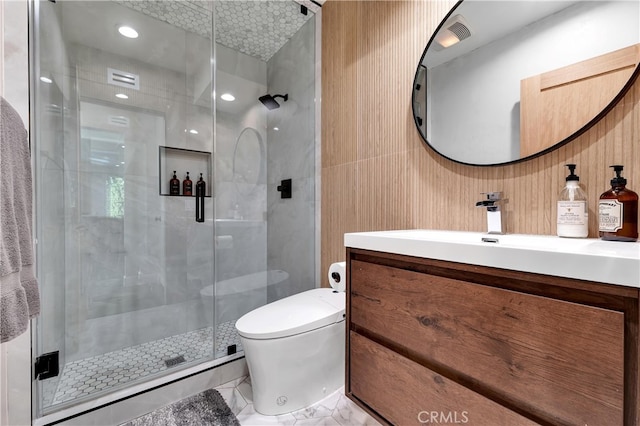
(228, 97)
(276, 128)
(193, 131)
(46, 80)
(447, 39)
(122, 96)
(128, 31)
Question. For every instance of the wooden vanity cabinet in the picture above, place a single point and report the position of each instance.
(434, 342)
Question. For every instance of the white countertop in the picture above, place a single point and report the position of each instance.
(590, 259)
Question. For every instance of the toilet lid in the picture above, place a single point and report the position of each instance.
(292, 315)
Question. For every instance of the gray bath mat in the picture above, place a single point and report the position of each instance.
(205, 408)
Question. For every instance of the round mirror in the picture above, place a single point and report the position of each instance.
(248, 160)
(504, 81)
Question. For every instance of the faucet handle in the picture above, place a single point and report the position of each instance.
(493, 196)
(495, 217)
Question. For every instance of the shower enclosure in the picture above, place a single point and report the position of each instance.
(138, 282)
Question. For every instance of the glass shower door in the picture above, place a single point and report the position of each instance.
(123, 265)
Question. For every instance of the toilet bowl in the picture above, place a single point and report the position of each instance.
(294, 348)
(234, 297)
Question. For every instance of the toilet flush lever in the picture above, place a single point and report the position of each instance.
(335, 276)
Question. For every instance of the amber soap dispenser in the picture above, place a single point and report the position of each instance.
(187, 186)
(618, 211)
(174, 185)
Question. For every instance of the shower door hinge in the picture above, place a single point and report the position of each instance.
(47, 366)
(231, 349)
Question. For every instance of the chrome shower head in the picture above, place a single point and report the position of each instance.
(270, 101)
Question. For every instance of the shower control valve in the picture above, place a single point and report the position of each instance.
(285, 188)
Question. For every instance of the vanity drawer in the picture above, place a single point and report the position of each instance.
(380, 378)
(560, 361)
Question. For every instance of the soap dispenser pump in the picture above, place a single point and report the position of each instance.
(618, 210)
(573, 212)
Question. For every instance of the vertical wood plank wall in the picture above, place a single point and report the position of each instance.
(378, 175)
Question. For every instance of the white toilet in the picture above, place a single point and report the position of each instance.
(294, 348)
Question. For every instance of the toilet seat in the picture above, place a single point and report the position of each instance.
(293, 315)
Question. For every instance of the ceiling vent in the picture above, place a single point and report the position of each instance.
(119, 120)
(453, 31)
(123, 79)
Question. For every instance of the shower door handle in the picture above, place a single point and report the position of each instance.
(200, 203)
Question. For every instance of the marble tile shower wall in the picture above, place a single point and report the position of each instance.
(291, 154)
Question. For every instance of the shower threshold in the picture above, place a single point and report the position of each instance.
(102, 373)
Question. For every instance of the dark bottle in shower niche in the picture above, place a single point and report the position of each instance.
(174, 185)
(201, 187)
(187, 185)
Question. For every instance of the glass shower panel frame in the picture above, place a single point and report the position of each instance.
(121, 266)
(195, 278)
(266, 245)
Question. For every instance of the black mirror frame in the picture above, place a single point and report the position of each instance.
(419, 120)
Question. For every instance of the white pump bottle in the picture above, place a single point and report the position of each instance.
(573, 212)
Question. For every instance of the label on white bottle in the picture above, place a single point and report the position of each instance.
(572, 213)
(610, 215)
(573, 219)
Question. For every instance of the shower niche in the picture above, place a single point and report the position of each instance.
(183, 161)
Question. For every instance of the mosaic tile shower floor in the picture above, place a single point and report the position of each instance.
(84, 377)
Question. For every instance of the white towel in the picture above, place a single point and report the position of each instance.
(19, 297)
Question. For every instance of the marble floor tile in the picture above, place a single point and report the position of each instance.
(234, 399)
(321, 409)
(250, 417)
(334, 410)
(320, 421)
(347, 413)
(246, 390)
(233, 384)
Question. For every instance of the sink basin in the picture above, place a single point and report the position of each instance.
(588, 259)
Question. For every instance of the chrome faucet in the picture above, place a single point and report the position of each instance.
(495, 218)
